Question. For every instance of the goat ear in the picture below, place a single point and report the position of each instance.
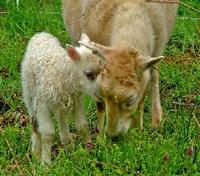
(73, 54)
(149, 62)
(84, 38)
(96, 47)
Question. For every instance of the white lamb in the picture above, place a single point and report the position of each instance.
(53, 80)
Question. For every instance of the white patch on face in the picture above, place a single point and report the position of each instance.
(82, 50)
(123, 126)
(89, 87)
(88, 63)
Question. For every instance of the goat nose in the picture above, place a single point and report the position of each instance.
(115, 138)
(111, 133)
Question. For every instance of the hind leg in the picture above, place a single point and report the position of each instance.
(36, 139)
(46, 131)
(100, 117)
(36, 144)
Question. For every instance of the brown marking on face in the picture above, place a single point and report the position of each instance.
(119, 80)
(121, 72)
(122, 66)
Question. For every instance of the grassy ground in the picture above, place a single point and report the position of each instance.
(173, 149)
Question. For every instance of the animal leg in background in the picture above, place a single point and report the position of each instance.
(156, 108)
(100, 116)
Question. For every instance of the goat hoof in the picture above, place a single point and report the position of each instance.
(156, 122)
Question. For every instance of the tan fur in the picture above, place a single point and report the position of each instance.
(122, 78)
(124, 24)
(110, 22)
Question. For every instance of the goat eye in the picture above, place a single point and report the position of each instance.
(130, 102)
(90, 75)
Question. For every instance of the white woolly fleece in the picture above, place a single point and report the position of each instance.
(48, 75)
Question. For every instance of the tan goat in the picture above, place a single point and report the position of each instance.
(135, 31)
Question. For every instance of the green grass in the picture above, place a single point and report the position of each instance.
(173, 149)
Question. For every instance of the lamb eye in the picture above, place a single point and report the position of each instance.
(90, 75)
(128, 104)
(94, 52)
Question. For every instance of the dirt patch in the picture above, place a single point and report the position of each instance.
(3, 106)
(190, 104)
(3, 11)
(11, 118)
(4, 73)
(186, 59)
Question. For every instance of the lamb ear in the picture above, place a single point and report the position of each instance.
(73, 54)
(84, 38)
(150, 61)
